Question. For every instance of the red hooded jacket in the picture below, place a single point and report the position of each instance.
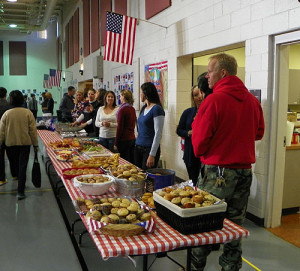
(227, 124)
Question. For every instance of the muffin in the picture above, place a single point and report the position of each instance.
(176, 200)
(146, 217)
(133, 208)
(114, 219)
(116, 203)
(123, 212)
(130, 218)
(105, 219)
(96, 215)
(114, 210)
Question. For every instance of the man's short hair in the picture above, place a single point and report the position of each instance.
(3, 92)
(70, 88)
(226, 62)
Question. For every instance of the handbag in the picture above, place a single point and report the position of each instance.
(36, 172)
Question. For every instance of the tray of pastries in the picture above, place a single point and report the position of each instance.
(116, 216)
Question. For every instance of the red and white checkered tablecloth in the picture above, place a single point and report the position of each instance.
(164, 238)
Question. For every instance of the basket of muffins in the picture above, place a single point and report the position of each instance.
(117, 216)
(189, 210)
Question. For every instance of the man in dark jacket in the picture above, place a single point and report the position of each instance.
(4, 105)
(228, 123)
(67, 105)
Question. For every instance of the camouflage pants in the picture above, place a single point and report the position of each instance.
(235, 189)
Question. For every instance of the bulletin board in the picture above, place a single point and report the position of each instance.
(127, 77)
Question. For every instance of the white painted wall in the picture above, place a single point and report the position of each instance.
(194, 26)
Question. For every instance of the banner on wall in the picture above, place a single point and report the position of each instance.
(157, 73)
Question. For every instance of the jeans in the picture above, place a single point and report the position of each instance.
(108, 143)
(141, 155)
(18, 157)
(126, 150)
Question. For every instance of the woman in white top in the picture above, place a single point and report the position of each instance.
(106, 119)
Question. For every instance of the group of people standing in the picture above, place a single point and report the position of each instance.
(115, 126)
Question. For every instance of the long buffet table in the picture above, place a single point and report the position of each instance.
(164, 238)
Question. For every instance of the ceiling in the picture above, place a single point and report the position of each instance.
(30, 15)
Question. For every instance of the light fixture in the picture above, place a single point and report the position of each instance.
(13, 25)
(81, 66)
(11, 0)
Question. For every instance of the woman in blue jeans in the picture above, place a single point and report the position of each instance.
(150, 125)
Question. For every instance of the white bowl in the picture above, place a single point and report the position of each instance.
(93, 188)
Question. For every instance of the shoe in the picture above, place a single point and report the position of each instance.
(3, 182)
(15, 178)
(215, 247)
(21, 196)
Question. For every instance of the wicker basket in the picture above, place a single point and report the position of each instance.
(122, 230)
(191, 225)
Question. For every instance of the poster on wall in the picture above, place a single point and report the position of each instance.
(123, 81)
(127, 77)
(98, 83)
(157, 73)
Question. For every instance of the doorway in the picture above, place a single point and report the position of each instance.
(282, 95)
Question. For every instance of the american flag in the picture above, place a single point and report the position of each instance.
(46, 83)
(120, 38)
(54, 78)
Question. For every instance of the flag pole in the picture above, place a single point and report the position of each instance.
(153, 23)
(141, 20)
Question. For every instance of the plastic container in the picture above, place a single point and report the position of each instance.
(93, 188)
(160, 178)
(191, 220)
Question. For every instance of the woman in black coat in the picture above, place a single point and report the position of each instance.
(184, 129)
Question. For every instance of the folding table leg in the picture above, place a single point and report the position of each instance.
(145, 262)
(80, 236)
(73, 224)
(188, 259)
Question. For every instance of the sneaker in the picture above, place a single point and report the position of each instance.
(3, 182)
(21, 196)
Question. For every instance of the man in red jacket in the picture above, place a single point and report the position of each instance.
(224, 133)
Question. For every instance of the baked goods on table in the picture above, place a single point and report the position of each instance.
(187, 197)
(104, 162)
(117, 216)
(128, 171)
(66, 143)
(73, 172)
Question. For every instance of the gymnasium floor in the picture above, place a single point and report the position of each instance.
(35, 235)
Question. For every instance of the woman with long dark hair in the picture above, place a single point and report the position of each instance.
(150, 125)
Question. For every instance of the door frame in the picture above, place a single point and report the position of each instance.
(278, 111)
